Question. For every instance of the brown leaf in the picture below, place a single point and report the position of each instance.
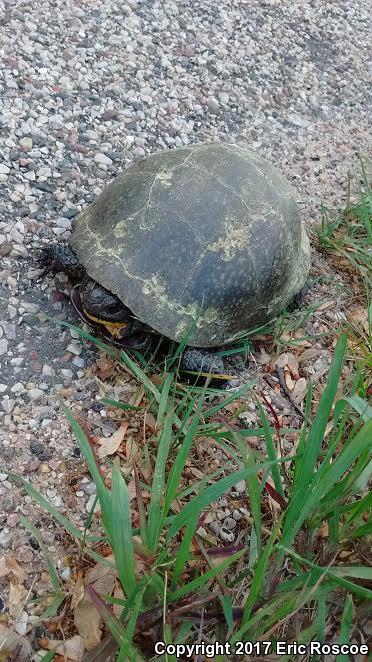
(17, 598)
(109, 445)
(300, 389)
(149, 421)
(288, 380)
(3, 567)
(15, 568)
(88, 622)
(72, 650)
(105, 367)
(79, 590)
(118, 593)
(13, 644)
(132, 450)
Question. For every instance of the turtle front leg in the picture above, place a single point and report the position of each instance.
(57, 257)
(200, 360)
(298, 299)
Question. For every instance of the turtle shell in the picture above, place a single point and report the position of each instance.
(204, 241)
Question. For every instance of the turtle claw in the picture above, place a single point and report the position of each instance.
(60, 258)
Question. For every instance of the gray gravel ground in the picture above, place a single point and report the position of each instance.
(86, 87)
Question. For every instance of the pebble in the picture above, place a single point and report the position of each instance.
(5, 539)
(26, 143)
(3, 346)
(102, 159)
(213, 105)
(240, 487)
(35, 393)
(229, 523)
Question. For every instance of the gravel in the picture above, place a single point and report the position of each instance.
(87, 89)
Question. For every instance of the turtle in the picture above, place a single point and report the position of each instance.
(204, 241)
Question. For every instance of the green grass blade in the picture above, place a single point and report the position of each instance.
(155, 517)
(211, 493)
(231, 398)
(122, 542)
(102, 493)
(271, 451)
(317, 430)
(180, 460)
(346, 627)
(200, 581)
(119, 405)
(36, 496)
(183, 552)
(259, 574)
(54, 577)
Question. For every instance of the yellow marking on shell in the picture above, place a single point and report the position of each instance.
(114, 328)
(235, 238)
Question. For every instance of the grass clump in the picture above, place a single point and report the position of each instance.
(299, 570)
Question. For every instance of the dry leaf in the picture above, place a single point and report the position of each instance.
(88, 622)
(289, 381)
(3, 567)
(98, 571)
(149, 421)
(322, 532)
(300, 389)
(132, 450)
(119, 595)
(15, 568)
(17, 598)
(109, 445)
(13, 643)
(105, 367)
(79, 590)
(71, 649)
(292, 364)
(308, 354)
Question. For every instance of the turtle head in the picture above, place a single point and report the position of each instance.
(101, 307)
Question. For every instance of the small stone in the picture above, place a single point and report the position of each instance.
(102, 159)
(74, 349)
(65, 574)
(32, 308)
(48, 371)
(5, 539)
(25, 555)
(3, 346)
(139, 152)
(226, 536)
(7, 404)
(21, 624)
(213, 105)
(3, 388)
(26, 143)
(18, 389)
(66, 373)
(35, 393)
(90, 488)
(215, 528)
(64, 223)
(224, 98)
(240, 487)
(4, 170)
(229, 523)
(89, 504)
(40, 451)
(8, 503)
